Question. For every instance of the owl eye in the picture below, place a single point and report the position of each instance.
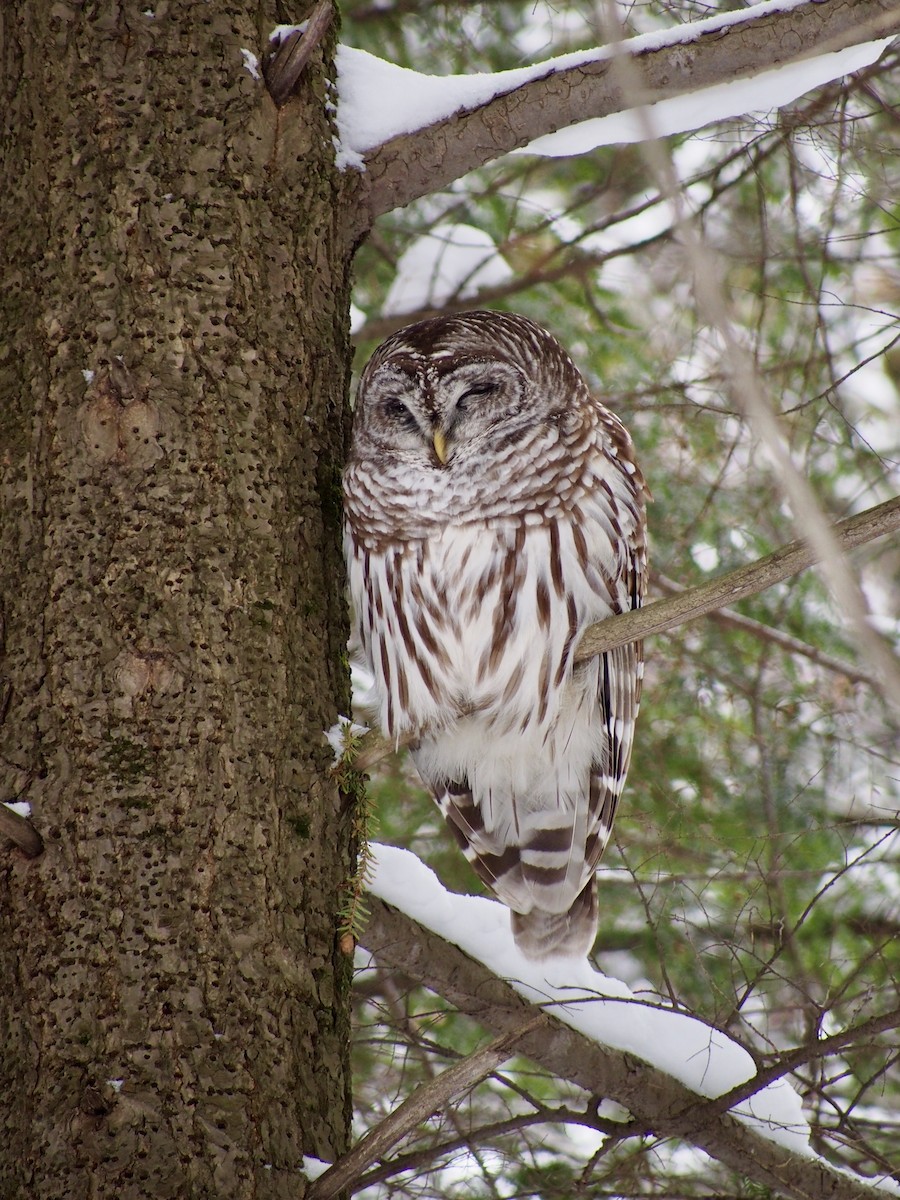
(480, 389)
(394, 408)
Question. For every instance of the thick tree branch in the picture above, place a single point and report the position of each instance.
(688, 605)
(428, 159)
(660, 1104)
(427, 1099)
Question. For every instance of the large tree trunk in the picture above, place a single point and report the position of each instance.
(173, 367)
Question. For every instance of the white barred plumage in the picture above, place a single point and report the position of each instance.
(494, 510)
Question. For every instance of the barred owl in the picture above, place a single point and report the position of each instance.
(494, 510)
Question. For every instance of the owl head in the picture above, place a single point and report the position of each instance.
(461, 392)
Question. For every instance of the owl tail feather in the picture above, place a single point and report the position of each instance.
(547, 935)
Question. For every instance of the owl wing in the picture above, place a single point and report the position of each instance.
(612, 561)
(563, 924)
(619, 678)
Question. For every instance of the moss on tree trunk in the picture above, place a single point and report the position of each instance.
(173, 365)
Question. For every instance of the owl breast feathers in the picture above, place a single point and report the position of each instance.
(494, 510)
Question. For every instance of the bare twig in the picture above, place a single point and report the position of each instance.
(430, 1098)
(420, 1160)
(282, 70)
(729, 619)
(21, 831)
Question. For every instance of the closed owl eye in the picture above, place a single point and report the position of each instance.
(480, 389)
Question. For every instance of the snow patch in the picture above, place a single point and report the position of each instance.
(357, 318)
(705, 556)
(21, 807)
(314, 1167)
(340, 733)
(280, 32)
(602, 1008)
(448, 261)
(251, 62)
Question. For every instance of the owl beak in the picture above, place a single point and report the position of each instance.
(440, 446)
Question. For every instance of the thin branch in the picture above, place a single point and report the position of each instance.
(283, 68)
(426, 1100)
(427, 159)
(21, 831)
(658, 1102)
(736, 585)
(420, 1160)
(663, 615)
(730, 619)
(425, 1157)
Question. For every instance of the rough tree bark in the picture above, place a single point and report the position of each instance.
(173, 364)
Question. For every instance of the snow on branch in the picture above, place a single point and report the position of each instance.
(14, 824)
(412, 134)
(285, 64)
(657, 1063)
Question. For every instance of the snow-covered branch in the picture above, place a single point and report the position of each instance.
(604, 1040)
(414, 134)
(20, 830)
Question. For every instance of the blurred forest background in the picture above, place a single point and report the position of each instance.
(752, 878)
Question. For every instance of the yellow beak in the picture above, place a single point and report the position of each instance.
(440, 446)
